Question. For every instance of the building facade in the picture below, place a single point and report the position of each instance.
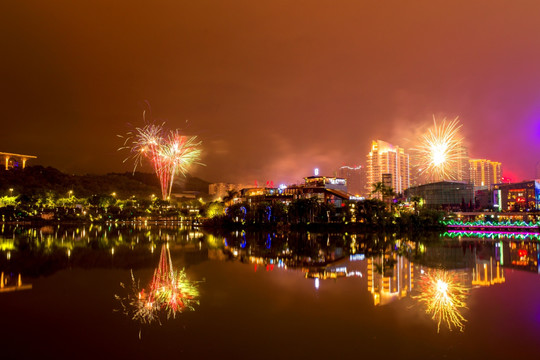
(523, 196)
(449, 195)
(328, 190)
(385, 158)
(485, 172)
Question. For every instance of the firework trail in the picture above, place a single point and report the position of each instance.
(439, 150)
(444, 297)
(170, 153)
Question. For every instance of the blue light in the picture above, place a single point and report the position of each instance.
(268, 242)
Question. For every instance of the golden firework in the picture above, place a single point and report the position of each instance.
(439, 150)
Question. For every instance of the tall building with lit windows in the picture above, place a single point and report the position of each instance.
(485, 172)
(388, 160)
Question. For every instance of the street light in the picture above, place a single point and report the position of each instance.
(11, 192)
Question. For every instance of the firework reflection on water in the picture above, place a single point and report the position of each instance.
(444, 297)
(169, 293)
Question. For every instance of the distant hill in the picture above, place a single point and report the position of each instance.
(35, 180)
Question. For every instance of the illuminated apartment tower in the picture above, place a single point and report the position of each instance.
(485, 172)
(385, 158)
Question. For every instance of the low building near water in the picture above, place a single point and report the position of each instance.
(522, 196)
(447, 195)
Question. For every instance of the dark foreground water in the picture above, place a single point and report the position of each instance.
(270, 295)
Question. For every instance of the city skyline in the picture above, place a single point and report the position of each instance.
(271, 94)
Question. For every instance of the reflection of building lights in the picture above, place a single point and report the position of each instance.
(316, 283)
(8, 255)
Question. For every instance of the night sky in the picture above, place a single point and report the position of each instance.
(272, 88)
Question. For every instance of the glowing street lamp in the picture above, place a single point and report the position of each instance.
(11, 192)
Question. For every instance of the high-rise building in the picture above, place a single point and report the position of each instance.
(485, 172)
(356, 178)
(385, 158)
(462, 165)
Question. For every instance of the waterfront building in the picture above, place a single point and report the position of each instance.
(326, 182)
(448, 195)
(385, 158)
(485, 172)
(329, 190)
(522, 196)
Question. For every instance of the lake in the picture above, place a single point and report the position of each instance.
(269, 295)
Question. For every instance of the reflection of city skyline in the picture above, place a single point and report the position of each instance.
(391, 265)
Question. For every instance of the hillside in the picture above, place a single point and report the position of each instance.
(36, 180)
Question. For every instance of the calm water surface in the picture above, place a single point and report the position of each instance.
(268, 295)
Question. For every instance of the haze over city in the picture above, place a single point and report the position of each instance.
(272, 88)
(281, 179)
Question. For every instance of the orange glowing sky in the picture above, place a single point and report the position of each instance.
(273, 88)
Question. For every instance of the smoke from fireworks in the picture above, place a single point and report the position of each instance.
(170, 292)
(444, 297)
(169, 152)
(439, 150)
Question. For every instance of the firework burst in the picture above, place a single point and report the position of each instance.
(170, 293)
(444, 297)
(169, 152)
(439, 150)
